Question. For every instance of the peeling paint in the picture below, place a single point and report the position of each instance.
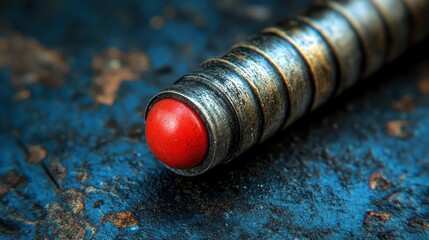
(29, 62)
(113, 67)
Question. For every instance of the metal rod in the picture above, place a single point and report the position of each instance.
(259, 87)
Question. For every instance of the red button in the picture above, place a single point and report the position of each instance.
(176, 134)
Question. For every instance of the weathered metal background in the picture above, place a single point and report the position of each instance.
(75, 77)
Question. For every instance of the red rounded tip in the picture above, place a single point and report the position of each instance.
(176, 134)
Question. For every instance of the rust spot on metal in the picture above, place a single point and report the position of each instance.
(379, 182)
(30, 62)
(10, 180)
(62, 224)
(82, 176)
(75, 199)
(393, 195)
(67, 218)
(113, 67)
(36, 153)
(121, 220)
(372, 217)
(58, 171)
(405, 104)
(398, 128)
(418, 221)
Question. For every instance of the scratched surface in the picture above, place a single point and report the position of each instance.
(75, 77)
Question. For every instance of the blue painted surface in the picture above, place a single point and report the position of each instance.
(99, 179)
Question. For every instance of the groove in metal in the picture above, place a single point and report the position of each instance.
(265, 84)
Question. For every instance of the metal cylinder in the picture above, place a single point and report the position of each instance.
(261, 86)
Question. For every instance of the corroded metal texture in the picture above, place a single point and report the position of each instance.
(273, 79)
(74, 163)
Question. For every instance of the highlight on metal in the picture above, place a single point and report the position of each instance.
(261, 86)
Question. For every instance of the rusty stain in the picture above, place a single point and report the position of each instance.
(75, 199)
(36, 153)
(10, 180)
(58, 170)
(418, 221)
(405, 104)
(392, 195)
(82, 176)
(90, 189)
(122, 219)
(378, 181)
(31, 62)
(62, 224)
(398, 128)
(114, 67)
(376, 216)
(19, 218)
(20, 95)
(67, 218)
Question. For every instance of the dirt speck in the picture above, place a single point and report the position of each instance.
(136, 132)
(376, 217)
(82, 176)
(10, 180)
(36, 153)
(398, 128)
(378, 181)
(97, 203)
(121, 220)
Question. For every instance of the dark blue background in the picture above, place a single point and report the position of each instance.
(99, 179)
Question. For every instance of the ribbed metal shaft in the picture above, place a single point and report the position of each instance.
(259, 87)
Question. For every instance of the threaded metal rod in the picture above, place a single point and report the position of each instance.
(259, 87)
